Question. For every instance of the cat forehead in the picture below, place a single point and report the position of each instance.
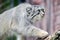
(33, 8)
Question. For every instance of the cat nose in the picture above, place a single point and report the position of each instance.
(42, 14)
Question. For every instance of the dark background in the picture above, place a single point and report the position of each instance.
(7, 4)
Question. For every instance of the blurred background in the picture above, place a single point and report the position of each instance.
(51, 21)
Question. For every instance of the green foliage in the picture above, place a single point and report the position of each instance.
(15, 2)
(4, 6)
(7, 5)
(11, 38)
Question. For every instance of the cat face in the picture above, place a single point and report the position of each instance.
(35, 15)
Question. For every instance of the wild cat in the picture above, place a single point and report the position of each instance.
(19, 20)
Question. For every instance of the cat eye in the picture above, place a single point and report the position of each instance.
(38, 11)
(29, 10)
(42, 10)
